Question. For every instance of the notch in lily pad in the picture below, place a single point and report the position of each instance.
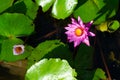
(15, 25)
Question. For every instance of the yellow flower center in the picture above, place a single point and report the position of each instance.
(78, 31)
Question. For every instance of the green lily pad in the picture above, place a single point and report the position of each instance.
(7, 50)
(27, 7)
(45, 4)
(84, 62)
(61, 8)
(4, 4)
(50, 49)
(109, 26)
(99, 75)
(32, 8)
(52, 69)
(17, 7)
(44, 48)
(113, 26)
(15, 25)
(97, 10)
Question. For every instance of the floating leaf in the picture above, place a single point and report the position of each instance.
(63, 8)
(97, 10)
(50, 49)
(32, 8)
(4, 4)
(7, 50)
(113, 26)
(18, 7)
(99, 74)
(15, 25)
(27, 7)
(84, 62)
(52, 69)
(45, 4)
(109, 26)
(44, 48)
(102, 27)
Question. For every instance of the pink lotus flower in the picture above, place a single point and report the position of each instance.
(18, 49)
(78, 32)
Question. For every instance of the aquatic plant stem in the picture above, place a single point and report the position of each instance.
(48, 34)
(104, 62)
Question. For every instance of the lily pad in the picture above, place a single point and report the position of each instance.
(60, 9)
(15, 25)
(84, 62)
(7, 50)
(52, 69)
(113, 26)
(27, 7)
(63, 8)
(97, 10)
(45, 4)
(4, 4)
(50, 49)
(32, 8)
(99, 75)
(108, 26)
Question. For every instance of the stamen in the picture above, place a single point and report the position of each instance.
(78, 31)
(18, 49)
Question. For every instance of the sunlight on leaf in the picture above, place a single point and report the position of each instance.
(45, 4)
(63, 8)
(15, 25)
(52, 69)
(60, 9)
